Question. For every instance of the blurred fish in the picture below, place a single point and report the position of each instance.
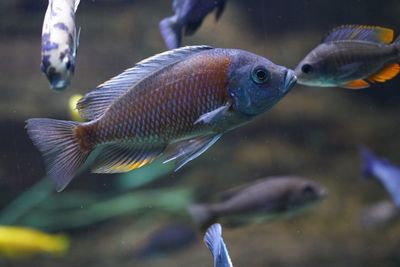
(379, 214)
(22, 242)
(352, 57)
(60, 40)
(186, 98)
(73, 112)
(268, 198)
(168, 239)
(387, 173)
(215, 243)
(189, 14)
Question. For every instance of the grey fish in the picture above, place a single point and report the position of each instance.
(380, 214)
(60, 40)
(189, 15)
(268, 198)
(352, 57)
(216, 245)
(184, 99)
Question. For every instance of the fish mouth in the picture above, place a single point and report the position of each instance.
(289, 80)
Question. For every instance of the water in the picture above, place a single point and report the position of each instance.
(312, 132)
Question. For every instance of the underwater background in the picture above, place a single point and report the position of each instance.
(312, 132)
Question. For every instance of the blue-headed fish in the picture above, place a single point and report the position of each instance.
(59, 42)
(216, 245)
(351, 57)
(265, 199)
(189, 15)
(387, 173)
(22, 242)
(184, 99)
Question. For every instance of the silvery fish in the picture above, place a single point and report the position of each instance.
(216, 245)
(265, 199)
(183, 99)
(189, 15)
(387, 173)
(379, 214)
(59, 42)
(351, 57)
(167, 239)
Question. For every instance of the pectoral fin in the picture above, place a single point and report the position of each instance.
(186, 151)
(213, 115)
(357, 84)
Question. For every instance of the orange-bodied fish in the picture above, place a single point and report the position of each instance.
(186, 97)
(352, 57)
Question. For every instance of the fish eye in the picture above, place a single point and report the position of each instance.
(260, 75)
(308, 191)
(306, 68)
(68, 64)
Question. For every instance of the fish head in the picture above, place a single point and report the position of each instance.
(304, 193)
(255, 84)
(316, 70)
(59, 75)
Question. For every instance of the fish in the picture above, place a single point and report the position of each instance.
(379, 214)
(215, 243)
(188, 17)
(352, 57)
(60, 40)
(175, 104)
(18, 242)
(266, 199)
(168, 239)
(384, 171)
(73, 112)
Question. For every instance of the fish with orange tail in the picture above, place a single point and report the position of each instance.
(352, 57)
(183, 99)
(23, 242)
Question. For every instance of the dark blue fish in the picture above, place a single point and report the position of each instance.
(168, 239)
(189, 15)
(215, 243)
(387, 173)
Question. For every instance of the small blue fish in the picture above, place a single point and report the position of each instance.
(215, 243)
(189, 14)
(387, 173)
(60, 40)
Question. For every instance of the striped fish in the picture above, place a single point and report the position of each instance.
(184, 99)
(352, 57)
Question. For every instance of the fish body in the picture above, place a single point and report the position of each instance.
(188, 17)
(387, 173)
(379, 214)
(268, 198)
(351, 57)
(59, 42)
(183, 99)
(20, 242)
(168, 239)
(216, 245)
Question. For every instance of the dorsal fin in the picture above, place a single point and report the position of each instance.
(95, 103)
(373, 34)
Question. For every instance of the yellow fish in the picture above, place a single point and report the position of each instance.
(22, 242)
(73, 112)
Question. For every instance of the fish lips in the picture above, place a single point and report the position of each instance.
(57, 81)
(290, 80)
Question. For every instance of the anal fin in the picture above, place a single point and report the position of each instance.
(188, 150)
(118, 158)
(387, 73)
(356, 84)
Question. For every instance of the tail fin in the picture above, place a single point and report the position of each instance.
(59, 145)
(201, 215)
(367, 162)
(171, 32)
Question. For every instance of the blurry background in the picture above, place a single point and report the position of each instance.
(312, 132)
